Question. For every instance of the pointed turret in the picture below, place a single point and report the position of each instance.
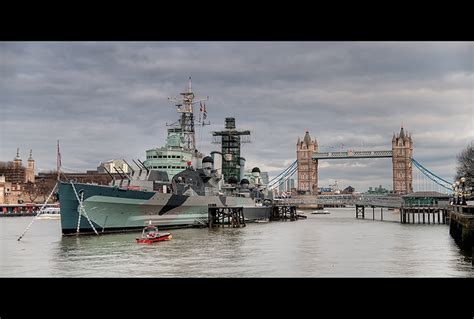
(30, 169)
(307, 138)
(18, 158)
(402, 133)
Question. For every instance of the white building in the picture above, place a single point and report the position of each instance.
(120, 165)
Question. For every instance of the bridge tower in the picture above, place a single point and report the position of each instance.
(402, 152)
(307, 167)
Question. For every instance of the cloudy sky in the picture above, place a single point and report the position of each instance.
(108, 100)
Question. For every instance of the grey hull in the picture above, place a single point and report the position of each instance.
(111, 209)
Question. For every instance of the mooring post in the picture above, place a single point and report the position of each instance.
(373, 212)
(381, 213)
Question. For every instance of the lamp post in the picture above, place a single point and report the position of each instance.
(463, 190)
(455, 193)
(459, 192)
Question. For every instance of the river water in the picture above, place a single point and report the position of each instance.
(332, 245)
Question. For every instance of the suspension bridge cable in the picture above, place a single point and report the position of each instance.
(416, 162)
(431, 177)
(278, 181)
(286, 169)
(426, 172)
(284, 179)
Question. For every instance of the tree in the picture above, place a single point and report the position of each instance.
(466, 165)
(31, 190)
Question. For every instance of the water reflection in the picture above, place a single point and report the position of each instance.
(334, 245)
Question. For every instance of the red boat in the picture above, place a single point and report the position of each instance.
(151, 235)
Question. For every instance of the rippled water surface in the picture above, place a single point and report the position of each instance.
(333, 245)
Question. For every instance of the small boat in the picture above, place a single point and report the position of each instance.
(50, 213)
(261, 221)
(151, 235)
(320, 213)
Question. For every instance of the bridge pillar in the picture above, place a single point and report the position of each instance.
(402, 152)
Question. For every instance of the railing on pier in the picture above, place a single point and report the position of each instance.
(388, 201)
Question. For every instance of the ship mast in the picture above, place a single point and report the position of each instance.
(185, 102)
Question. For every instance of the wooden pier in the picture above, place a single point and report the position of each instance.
(411, 214)
(284, 212)
(423, 215)
(360, 211)
(226, 216)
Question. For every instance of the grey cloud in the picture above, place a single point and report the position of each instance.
(109, 100)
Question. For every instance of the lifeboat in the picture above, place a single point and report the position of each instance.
(151, 235)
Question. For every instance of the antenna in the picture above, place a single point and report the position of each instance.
(184, 104)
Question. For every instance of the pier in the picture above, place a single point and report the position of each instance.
(461, 226)
(225, 216)
(423, 215)
(284, 212)
(19, 210)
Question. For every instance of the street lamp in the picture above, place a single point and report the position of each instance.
(455, 193)
(463, 191)
(459, 191)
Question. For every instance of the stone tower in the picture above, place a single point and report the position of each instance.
(30, 169)
(17, 160)
(402, 152)
(307, 168)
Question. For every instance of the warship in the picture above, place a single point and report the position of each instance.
(172, 188)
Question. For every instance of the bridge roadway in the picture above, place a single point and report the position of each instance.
(389, 201)
(352, 154)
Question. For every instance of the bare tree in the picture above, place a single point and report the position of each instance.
(44, 187)
(466, 165)
(31, 190)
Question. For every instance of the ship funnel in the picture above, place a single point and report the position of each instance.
(197, 160)
(242, 167)
(217, 158)
(207, 164)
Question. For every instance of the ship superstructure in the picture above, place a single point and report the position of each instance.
(173, 187)
(180, 149)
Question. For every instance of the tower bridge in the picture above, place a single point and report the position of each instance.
(401, 153)
(308, 157)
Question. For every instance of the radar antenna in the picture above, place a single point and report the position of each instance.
(184, 104)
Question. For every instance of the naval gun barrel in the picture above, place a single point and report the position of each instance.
(147, 170)
(133, 171)
(113, 178)
(121, 176)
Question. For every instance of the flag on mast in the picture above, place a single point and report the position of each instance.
(58, 160)
(200, 111)
(204, 115)
(59, 157)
